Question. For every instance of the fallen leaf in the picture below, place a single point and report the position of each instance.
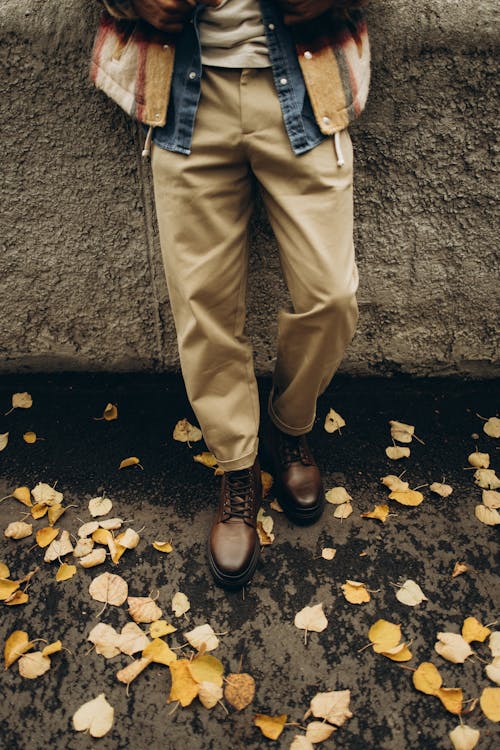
(130, 461)
(39, 510)
(132, 670)
(394, 483)
(21, 400)
(23, 495)
(490, 703)
(209, 694)
(332, 706)
(333, 421)
(379, 513)
(18, 530)
(488, 516)
(4, 570)
(491, 499)
(441, 489)
(270, 726)
(202, 635)
(184, 687)
(318, 731)
(185, 432)
(493, 670)
(59, 547)
(18, 597)
(487, 479)
(109, 588)
(30, 437)
(400, 652)
(96, 557)
(206, 668)
(7, 588)
(492, 427)
(96, 716)
(15, 646)
(4, 439)
(427, 679)
(163, 546)
(328, 553)
(128, 539)
(265, 526)
(52, 648)
(160, 628)
(100, 506)
(311, 619)
(83, 547)
(44, 494)
(105, 640)
(338, 495)
(206, 459)
(111, 524)
(239, 690)
(343, 511)
(159, 652)
(411, 594)
(451, 698)
(65, 572)
(55, 512)
(267, 483)
(453, 647)
(479, 460)
(33, 665)
(274, 504)
(355, 592)
(302, 742)
(46, 535)
(407, 497)
(384, 635)
(401, 432)
(459, 568)
(132, 639)
(143, 609)
(180, 604)
(110, 412)
(472, 630)
(464, 737)
(397, 451)
(494, 643)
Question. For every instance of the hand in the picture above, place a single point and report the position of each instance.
(168, 15)
(299, 11)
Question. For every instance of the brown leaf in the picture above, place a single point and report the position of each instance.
(239, 690)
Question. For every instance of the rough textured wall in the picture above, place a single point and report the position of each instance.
(81, 279)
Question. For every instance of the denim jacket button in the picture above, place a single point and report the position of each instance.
(308, 55)
(326, 120)
(192, 75)
(271, 26)
(283, 81)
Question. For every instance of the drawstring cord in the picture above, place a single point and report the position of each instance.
(146, 151)
(338, 149)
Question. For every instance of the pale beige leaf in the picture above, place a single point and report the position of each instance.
(319, 731)
(453, 647)
(128, 539)
(487, 479)
(311, 618)
(355, 592)
(180, 604)
(209, 694)
(33, 665)
(441, 489)
(132, 639)
(46, 495)
(87, 529)
(491, 499)
(59, 547)
(493, 670)
(133, 670)
(100, 506)
(333, 421)
(96, 716)
(265, 526)
(411, 594)
(202, 635)
(488, 516)
(185, 432)
(111, 524)
(109, 588)
(492, 427)
(96, 557)
(4, 439)
(397, 451)
(394, 483)
(494, 643)
(83, 547)
(18, 530)
(332, 706)
(343, 511)
(143, 609)
(401, 432)
(479, 460)
(338, 495)
(21, 400)
(302, 742)
(105, 639)
(464, 737)
(407, 497)
(328, 553)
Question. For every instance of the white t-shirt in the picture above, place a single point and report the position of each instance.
(232, 35)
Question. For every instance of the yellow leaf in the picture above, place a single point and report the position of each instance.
(7, 588)
(459, 568)
(16, 644)
(163, 546)
(451, 698)
(267, 482)
(407, 497)
(490, 703)
(239, 690)
(39, 510)
(23, 495)
(52, 648)
(102, 536)
(479, 460)
(492, 427)
(185, 432)
(206, 459)
(21, 400)
(29, 437)
(206, 669)
(4, 438)
(398, 653)
(384, 635)
(46, 535)
(159, 628)
(18, 597)
(110, 412)
(274, 504)
(270, 726)
(130, 461)
(380, 513)
(116, 549)
(472, 630)
(184, 688)
(159, 652)
(355, 592)
(4, 570)
(427, 679)
(65, 572)
(54, 513)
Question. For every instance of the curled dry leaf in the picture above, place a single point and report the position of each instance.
(209, 694)
(133, 670)
(18, 597)
(328, 553)
(459, 569)
(96, 557)
(490, 703)
(472, 630)
(397, 451)
(270, 726)
(180, 604)
(39, 510)
(239, 690)
(411, 594)
(54, 513)
(128, 539)
(100, 506)
(109, 588)
(16, 645)
(407, 497)
(355, 592)
(398, 653)
(206, 459)
(492, 427)
(274, 504)
(491, 499)
(464, 737)
(33, 665)
(143, 609)
(441, 489)
(184, 687)
(319, 731)
(343, 511)
(333, 706)
(130, 461)
(267, 482)
(479, 460)
(18, 530)
(7, 588)
(265, 526)
(202, 635)
(163, 546)
(488, 516)
(333, 421)
(59, 547)
(185, 432)
(338, 495)
(379, 513)
(401, 432)
(302, 742)
(486, 479)
(44, 494)
(111, 524)
(96, 716)
(394, 483)
(453, 647)
(311, 618)
(102, 536)
(110, 412)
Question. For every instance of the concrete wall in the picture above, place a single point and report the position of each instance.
(81, 278)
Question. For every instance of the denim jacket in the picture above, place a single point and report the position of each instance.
(322, 77)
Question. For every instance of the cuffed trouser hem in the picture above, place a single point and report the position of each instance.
(244, 462)
(283, 426)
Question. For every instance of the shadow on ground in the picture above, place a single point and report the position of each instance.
(174, 498)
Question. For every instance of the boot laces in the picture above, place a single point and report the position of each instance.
(293, 449)
(239, 495)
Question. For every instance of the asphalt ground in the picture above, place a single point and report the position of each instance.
(172, 497)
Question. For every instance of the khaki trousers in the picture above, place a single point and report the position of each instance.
(203, 205)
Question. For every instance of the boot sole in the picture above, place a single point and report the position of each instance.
(234, 582)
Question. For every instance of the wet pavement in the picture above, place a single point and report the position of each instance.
(173, 498)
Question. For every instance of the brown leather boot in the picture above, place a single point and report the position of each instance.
(297, 479)
(233, 545)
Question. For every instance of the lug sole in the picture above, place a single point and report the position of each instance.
(234, 582)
